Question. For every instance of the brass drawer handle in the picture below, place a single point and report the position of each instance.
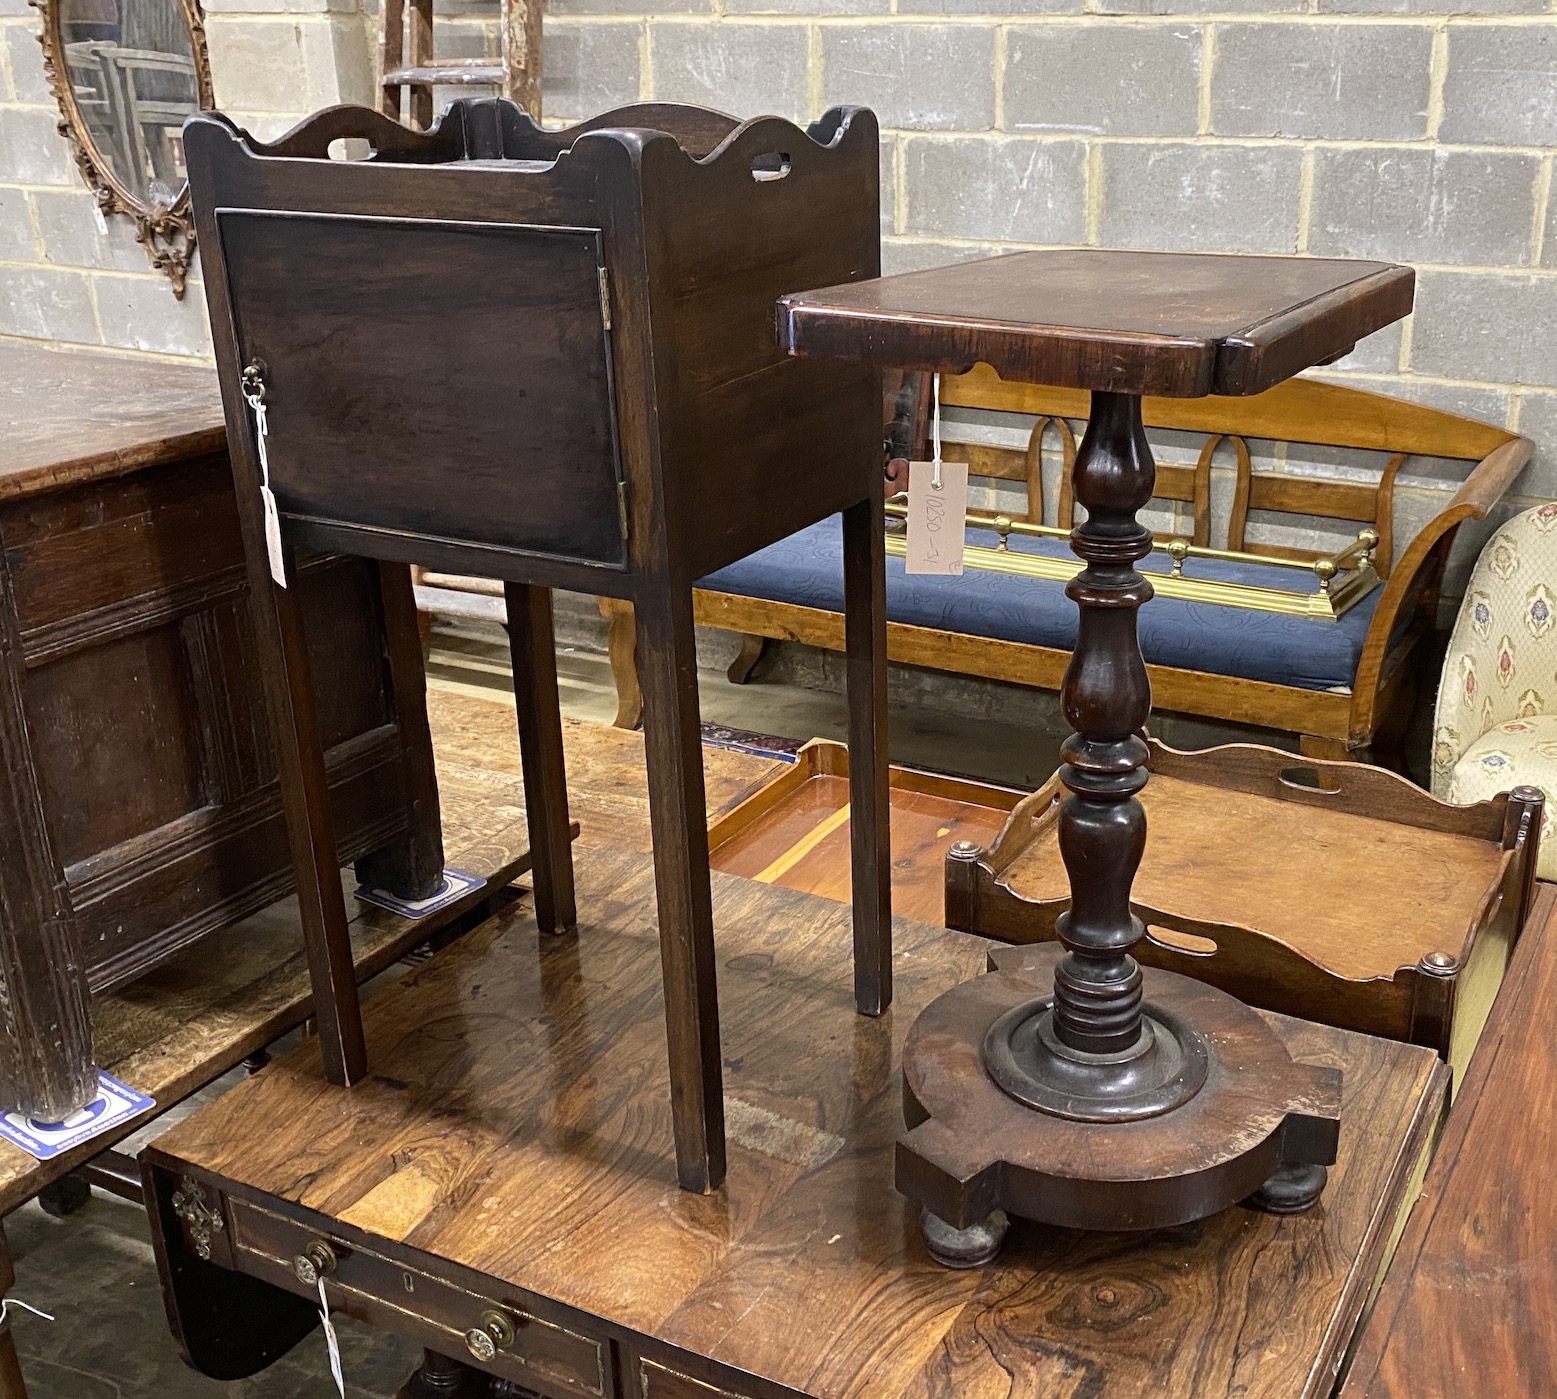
(495, 1333)
(317, 1260)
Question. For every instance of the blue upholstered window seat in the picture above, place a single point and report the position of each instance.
(1307, 653)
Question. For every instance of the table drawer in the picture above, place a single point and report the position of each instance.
(501, 1336)
(656, 1381)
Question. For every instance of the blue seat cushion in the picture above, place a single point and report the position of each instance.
(1307, 652)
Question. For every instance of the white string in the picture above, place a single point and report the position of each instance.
(6, 1303)
(331, 1343)
(935, 433)
(261, 432)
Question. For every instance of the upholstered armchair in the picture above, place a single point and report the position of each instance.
(1496, 722)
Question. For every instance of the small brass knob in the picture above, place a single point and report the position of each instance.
(495, 1333)
(317, 1260)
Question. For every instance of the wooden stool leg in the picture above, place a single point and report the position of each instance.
(11, 1383)
(678, 820)
(752, 648)
(411, 868)
(622, 648)
(305, 799)
(534, 650)
(865, 624)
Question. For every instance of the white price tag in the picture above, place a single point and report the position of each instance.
(254, 394)
(278, 564)
(937, 505)
(330, 1341)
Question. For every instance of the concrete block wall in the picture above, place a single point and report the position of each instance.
(69, 277)
(1371, 128)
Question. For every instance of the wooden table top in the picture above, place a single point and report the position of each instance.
(71, 416)
(1178, 325)
(517, 1123)
(1470, 1303)
(202, 1011)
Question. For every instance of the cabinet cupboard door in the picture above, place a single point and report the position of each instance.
(457, 384)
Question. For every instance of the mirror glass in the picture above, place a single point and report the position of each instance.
(131, 69)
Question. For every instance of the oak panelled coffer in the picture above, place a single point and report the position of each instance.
(141, 803)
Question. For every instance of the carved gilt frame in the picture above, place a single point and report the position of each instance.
(166, 232)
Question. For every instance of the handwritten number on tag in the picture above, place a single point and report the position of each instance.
(935, 517)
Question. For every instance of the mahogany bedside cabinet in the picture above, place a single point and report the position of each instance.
(1079, 1091)
(549, 358)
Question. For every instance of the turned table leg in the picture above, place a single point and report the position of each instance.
(673, 751)
(865, 626)
(11, 1383)
(440, 1377)
(533, 646)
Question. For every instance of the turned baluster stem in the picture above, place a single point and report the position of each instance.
(1106, 697)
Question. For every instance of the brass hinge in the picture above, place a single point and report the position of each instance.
(605, 299)
(621, 506)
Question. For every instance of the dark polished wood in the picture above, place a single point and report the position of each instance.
(1264, 875)
(1469, 1305)
(142, 806)
(544, 1194)
(1047, 1082)
(581, 388)
(1178, 325)
(533, 647)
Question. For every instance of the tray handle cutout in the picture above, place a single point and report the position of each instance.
(771, 165)
(1186, 944)
(1308, 779)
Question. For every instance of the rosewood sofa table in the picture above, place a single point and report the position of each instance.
(527, 1223)
(1122, 1099)
(1470, 1303)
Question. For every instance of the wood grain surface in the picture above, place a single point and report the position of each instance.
(518, 1125)
(68, 417)
(1313, 889)
(200, 1013)
(1470, 1303)
(795, 830)
(1178, 325)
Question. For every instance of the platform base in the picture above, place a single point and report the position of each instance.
(1255, 1128)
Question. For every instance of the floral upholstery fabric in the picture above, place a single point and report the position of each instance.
(1496, 721)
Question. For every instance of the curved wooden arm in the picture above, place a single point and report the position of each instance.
(1422, 564)
(1493, 476)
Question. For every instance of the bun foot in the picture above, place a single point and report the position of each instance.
(1291, 1190)
(964, 1248)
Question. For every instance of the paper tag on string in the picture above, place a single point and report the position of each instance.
(273, 550)
(937, 505)
(278, 563)
(330, 1341)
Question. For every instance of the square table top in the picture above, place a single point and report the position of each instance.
(514, 1139)
(1177, 325)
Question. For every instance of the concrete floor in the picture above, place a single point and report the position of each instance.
(94, 1272)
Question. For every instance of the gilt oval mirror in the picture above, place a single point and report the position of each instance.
(126, 74)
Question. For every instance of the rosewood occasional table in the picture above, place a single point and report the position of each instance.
(528, 1218)
(1121, 1099)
